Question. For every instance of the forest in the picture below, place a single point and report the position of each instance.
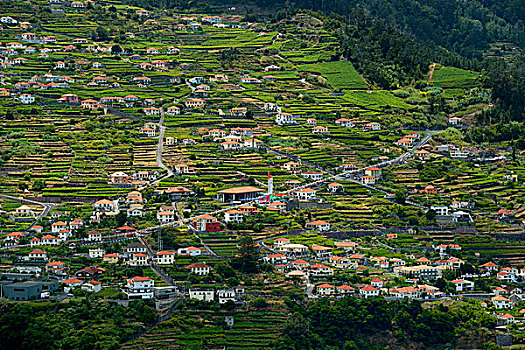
(465, 27)
(349, 323)
(75, 325)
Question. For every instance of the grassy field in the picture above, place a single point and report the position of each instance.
(340, 75)
(374, 99)
(450, 77)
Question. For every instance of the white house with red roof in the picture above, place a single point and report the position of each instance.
(165, 216)
(37, 228)
(110, 258)
(372, 126)
(500, 291)
(291, 166)
(139, 259)
(149, 132)
(277, 206)
(320, 270)
(373, 171)
(58, 226)
(335, 187)
(318, 225)
(306, 194)
(233, 215)
(55, 267)
(94, 236)
(346, 246)
(423, 261)
(278, 242)
(92, 286)
(320, 130)
(152, 51)
(71, 283)
(139, 287)
(501, 302)
(321, 252)
(173, 110)
(35, 241)
(405, 292)
(369, 291)
(442, 248)
(505, 319)
(294, 249)
(345, 289)
(165, 258)
(76, 224)
(345, 122)
(198, 268)
(506, 276)
(368, 179)
(300, 264)
(343, 263)
(50, 240)
(14, 236)
(60, 65)
(463, 285)
(142, 80)
(191, 251)
(312, 175)
(490, 266)
(206, 222)
(64, 234)
(377, 283)
(325, 289)
(195, 103)
(275, 259)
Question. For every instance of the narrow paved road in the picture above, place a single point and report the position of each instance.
(160, 149)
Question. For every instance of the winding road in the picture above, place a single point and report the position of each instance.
(47, 207)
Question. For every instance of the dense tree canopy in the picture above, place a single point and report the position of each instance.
(73, 325)
(326, 325)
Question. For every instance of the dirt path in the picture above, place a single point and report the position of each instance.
(431, 72)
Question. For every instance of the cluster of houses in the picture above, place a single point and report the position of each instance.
(376, 288)
(88, 277)
(138, 178)
(132, 205)
(369, 176)
(320, 262)
(300, 262)
(285, 118)
(409, 140)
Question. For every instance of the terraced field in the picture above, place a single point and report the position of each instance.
(197, 329)
(453, 78)
(340, 75)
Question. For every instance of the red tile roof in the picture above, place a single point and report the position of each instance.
(196, 265)
(72, 281)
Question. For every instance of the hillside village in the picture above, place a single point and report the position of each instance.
(214, 162)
